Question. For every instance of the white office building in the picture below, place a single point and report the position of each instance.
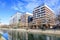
(14, 20)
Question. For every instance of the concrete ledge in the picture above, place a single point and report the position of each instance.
(38, 31)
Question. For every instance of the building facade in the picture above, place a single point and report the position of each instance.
(14, 20)
(43, 16)
(24, 20)
(30, 21)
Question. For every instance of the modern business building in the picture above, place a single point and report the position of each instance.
(14, 20)
(43, 16)
(30, 21)
(25, 20)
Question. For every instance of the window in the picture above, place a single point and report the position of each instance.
(38, 9)
(36, 16)
(42, 11)
(42, 7)
(43, 20)
(39, 13)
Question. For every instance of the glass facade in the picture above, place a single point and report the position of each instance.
(30, 19)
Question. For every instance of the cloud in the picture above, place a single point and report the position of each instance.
(54, 4)
(26, 5)
(29, 5)
(57, 10)
(51, 2)
(18, 6)
(15, 8)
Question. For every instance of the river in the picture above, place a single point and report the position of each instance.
(32, 36)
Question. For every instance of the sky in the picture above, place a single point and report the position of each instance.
(10, 7)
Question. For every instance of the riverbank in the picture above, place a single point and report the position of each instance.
(2, 38)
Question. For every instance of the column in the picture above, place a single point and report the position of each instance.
(37, 26)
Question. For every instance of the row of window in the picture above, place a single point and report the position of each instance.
(39, 12)
(40, 7)
(37, 15)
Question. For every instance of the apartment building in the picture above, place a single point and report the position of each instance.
(43, 16)
(14, 20)
(24, 20)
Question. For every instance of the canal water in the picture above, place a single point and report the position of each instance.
(42, 37)
(32, 36)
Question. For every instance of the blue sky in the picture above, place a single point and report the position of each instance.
(10, 7)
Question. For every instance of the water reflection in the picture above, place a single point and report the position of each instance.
(32, 36)
(36, 37)
(42, 37)
(14, 35)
